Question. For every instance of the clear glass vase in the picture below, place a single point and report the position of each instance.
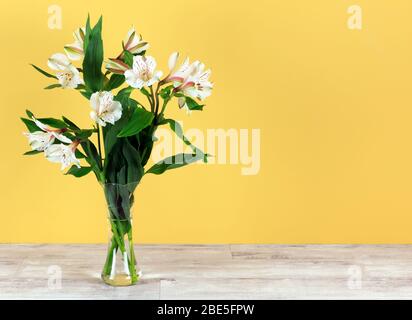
(120, 268)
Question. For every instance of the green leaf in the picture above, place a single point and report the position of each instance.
(87, 34)
(48, 75)
(79, 172)
(93, 59)
(32, 152)
(166, 92)
(173, 162)
(53, 86)
(139, 120)
(133, 103)
(178, 130)
(80, 87)
(55, 123)
(193, 105)
(93, 157)
(86, 94)
(145, 92)
(128, 58)
(123, 96)
(29, 114)
(134, 167)
(70, 124)
(79, 154)
(84, 134)
(114, 162)
(110, 131)
(30, 125)
(115, 81)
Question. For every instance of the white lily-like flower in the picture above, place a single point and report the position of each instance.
(143, 73)
(41, 140)
(67, 74)
(105, 109)
(197, 84)
(116, 66)
(179, 76)
(134, 42)
(61, 153)
(75, 51)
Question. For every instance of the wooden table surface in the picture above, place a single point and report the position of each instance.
(211, 272)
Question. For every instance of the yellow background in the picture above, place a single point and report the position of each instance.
(334, 107)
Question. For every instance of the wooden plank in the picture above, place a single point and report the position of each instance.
(213, 272)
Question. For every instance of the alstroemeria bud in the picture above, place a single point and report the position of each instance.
(75, 50)
(183, 105)
(133, 42)
(58, 62)
(116, 66)
(173, 60)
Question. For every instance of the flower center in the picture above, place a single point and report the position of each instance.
(146, 75)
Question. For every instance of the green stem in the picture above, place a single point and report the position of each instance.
(132, 261)
(165, 102)
(109, 259)
(119, 238)
(99, 143)
(153, 103)
(157, 99)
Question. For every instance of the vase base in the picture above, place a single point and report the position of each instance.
(120, 280)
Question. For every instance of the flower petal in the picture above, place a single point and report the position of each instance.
(61, 137)
(133, 80)
(150, 64)
(74, 52)
(173, 60)
(58, 61)
(139, 64)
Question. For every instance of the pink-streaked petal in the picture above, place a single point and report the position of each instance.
(139, 64)
(151, 64)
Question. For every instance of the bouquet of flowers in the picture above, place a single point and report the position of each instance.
(124, 126)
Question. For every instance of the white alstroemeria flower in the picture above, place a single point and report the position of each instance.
(143, 72)
(116, 66)
(105, 109)
(197, 84)
(61, 153)
(133, 42)
(75, 50)
(41, 140)
(67, 74)
(181, 75)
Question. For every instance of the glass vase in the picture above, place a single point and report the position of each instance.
(120, 268)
